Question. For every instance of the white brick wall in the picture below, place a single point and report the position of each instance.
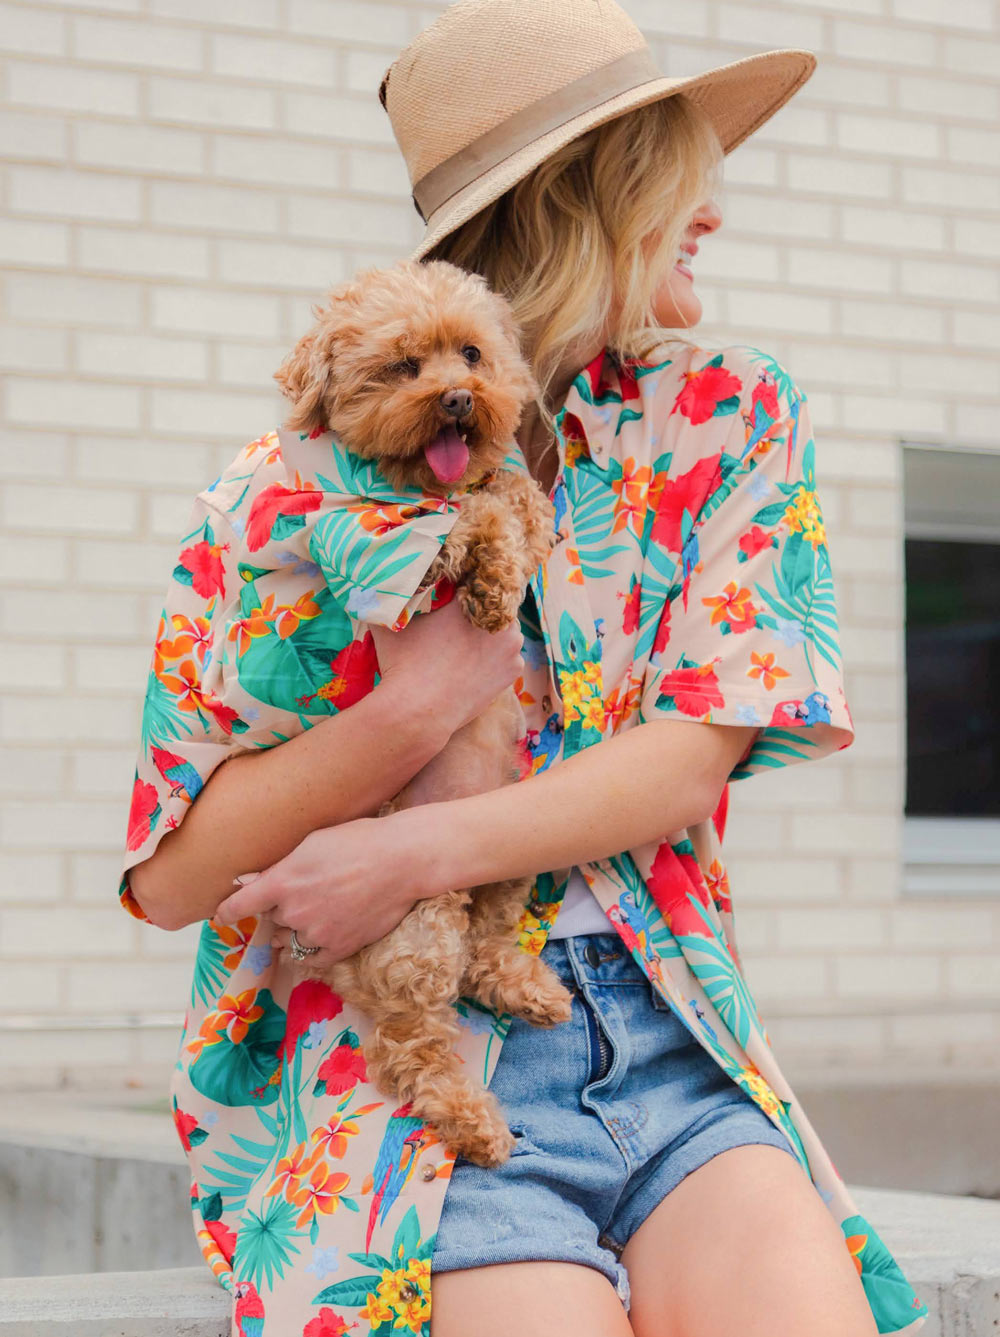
(183, 178)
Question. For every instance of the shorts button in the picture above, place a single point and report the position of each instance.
(591, 955)
(428, 1173)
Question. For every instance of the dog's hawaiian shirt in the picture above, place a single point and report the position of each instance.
(691, 580)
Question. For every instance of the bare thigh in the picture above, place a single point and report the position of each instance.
(744, 1244)
(532, 1299)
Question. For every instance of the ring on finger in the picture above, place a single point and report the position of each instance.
(299, 953)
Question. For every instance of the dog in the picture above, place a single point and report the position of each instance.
(418, 367)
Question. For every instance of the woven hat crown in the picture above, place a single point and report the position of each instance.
(481, 61)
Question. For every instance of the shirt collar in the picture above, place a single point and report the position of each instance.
(595, 405)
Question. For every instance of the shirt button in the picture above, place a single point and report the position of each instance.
(591, 955)
(428, 1173)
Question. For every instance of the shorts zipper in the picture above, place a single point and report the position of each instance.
(604, 1050)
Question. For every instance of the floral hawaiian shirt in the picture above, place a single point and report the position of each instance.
(691, 580)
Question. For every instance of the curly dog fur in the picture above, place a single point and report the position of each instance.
(398, 357)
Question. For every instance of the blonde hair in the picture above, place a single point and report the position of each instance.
(599, 221)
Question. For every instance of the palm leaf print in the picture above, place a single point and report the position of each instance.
(209, 972)
(232, 1177)
(812, 606)
(266, 1243)
(773, 749)
(593, 518)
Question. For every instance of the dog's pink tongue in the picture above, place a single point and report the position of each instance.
(448, 455)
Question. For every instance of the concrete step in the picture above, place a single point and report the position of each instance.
(173, 1302)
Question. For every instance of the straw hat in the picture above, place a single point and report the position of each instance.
(493, 87)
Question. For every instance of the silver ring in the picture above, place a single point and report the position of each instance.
(299, 953)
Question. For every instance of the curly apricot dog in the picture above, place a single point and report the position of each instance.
(418, 367)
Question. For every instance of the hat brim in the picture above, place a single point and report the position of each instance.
(738, 97)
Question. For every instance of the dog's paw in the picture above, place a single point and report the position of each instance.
(488, 606)
(488, 1146)
(545, 1004)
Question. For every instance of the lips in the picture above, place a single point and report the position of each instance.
(447, 455)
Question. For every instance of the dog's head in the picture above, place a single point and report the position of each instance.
(417, 366)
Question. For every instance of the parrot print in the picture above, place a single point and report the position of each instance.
(691, 580)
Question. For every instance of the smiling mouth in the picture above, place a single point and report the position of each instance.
(447, 454)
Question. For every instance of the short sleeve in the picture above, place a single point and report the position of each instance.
(186, 729)
(749, 632)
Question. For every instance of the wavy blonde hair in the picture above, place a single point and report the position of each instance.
(601, 219)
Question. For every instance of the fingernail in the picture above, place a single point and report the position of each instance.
(242, 879)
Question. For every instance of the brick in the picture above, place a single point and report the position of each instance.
(960, 98)
(828, 1038)
(840, 176)
(976, 422)
(178, 945)
(248, 14)
(971, 975)
(208, 208)
(814, 929)
(272, 60)
(70, 509)
(32, 666)
(895, 229)
(274, 161)
(870, 646)
(24, 28)
(976, 146)
(977, 236)
(206, 311)
(842, 458)
(147, 149)
(845, 83)
(57, 719)
(774, 309)
(726, 258)
(55, 614)
(152, 464)
(890, 413)
(95, 989)
(68, 88)
(281, 265)
(31, 771)
(878, 509)
(29, 987)
(73, 932)
(951, 190)
(146, 253)
(941, 1028)
(119, 667)
(108, 772)
(27, 879)
(748, 213)
(949, 375)
(169, 512)
(833, 834)
(972, 55)
(126, 42)
(873, 880)
(944, 13)
(351, 118)
(893, 135)
(886, 43)
(833, 365)
(364, 69)
(94, 877)
(891, 321)
(27, 136)
(976, 329)
(875, 696)
(942, 925)
(248, 364)
(780, 790)
(881, 976)
(142, 357)
(954, 282)
(212, 103)
(61, 191)
(772, 978)
(236, 417)
(143, 565)
(71, 403)
(798, 124)
(878, 789)
(27, 560)
(377, 173)
(23, 349)
(752, 167)
(875, 602)
(351, 20)
(744, 23)
(63, 299)
(841, 270)
(754, 832)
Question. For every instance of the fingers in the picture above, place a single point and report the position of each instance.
(254, 896)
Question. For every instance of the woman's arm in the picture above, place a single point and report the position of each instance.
(659, 777)
(435, 675)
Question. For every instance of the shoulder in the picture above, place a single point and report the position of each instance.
(711, 382)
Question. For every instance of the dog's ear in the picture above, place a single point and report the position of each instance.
(306, 378)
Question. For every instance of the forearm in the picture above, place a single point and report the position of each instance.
(658, 778)
(257, 807)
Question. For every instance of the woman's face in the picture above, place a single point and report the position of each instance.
(675, 302)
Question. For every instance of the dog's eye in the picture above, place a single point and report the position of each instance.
(471, 353)
(409, 366)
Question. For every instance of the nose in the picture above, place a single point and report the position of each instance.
(457, 403)
(708, 216)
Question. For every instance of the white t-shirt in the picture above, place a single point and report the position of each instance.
(580, 911)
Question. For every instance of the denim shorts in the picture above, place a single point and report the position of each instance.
(610, 1111)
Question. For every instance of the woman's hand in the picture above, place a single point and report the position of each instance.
(347, 886)
(446, 665)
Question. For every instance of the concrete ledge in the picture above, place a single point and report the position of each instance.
(175, 1302)
(948, 1247)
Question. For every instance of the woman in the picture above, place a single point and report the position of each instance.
(685, 623)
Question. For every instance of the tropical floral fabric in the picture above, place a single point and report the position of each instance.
(691, 580)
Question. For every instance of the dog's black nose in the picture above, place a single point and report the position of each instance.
(457, 402)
